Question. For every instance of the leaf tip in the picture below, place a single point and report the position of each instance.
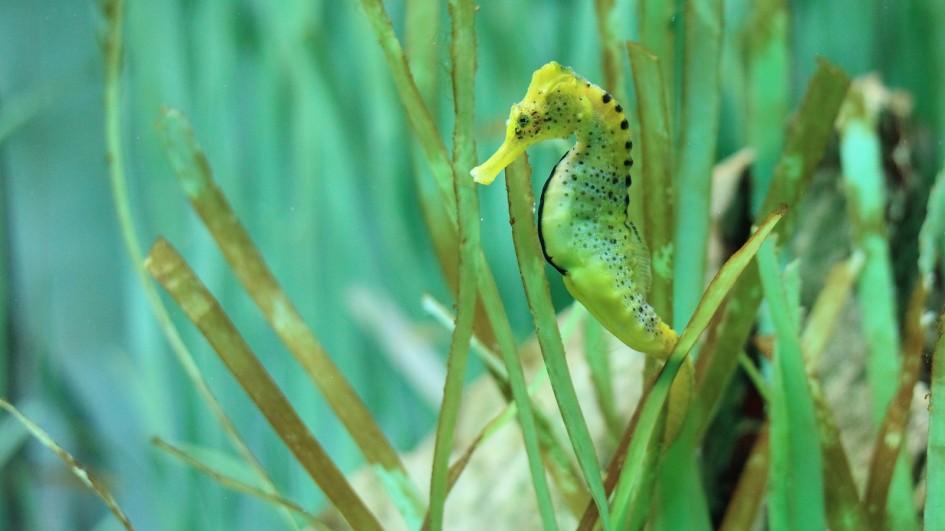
(152, 261)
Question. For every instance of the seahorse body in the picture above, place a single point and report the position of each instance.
(584, 226)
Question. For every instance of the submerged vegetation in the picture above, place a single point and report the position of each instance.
(788, 184)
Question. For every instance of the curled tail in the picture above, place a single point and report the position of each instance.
(680, 393)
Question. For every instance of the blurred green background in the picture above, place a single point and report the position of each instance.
(297, 112)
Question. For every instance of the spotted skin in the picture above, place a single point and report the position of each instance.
(584, 226)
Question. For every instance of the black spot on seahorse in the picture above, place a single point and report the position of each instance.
(541, 210)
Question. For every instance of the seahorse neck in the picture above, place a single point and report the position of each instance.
(603, 138)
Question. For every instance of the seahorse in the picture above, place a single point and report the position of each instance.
(583, 221)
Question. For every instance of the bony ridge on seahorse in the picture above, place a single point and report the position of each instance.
(583, 223)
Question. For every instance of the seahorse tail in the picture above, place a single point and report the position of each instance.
(678, 403)
(668, 339)
(681, 391)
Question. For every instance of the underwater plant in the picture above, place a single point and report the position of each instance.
(718, 310)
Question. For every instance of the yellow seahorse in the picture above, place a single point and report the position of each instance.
(583, 223)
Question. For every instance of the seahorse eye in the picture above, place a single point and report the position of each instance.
(523, 120)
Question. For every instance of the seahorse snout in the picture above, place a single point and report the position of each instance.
(486, 172)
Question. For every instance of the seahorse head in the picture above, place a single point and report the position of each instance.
(553, 107)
